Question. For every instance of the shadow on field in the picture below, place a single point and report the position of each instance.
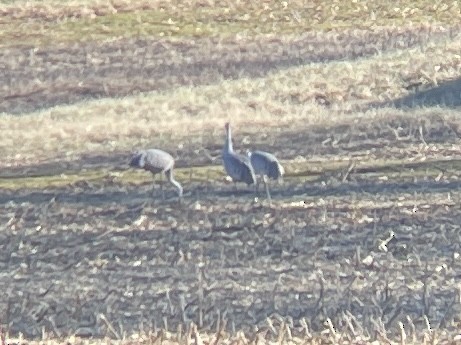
(207, 191)
(446, 94)
(130, 66)
(352, 188)
(287, 145)
(115, 161)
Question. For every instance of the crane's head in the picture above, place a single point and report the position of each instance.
(227, 126)
(137, 160)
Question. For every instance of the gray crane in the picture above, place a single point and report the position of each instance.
(267, 166)
(157, 161)
(237, 166)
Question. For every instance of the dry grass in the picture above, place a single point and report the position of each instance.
(43, 77)
(51, 22)
(317, 94)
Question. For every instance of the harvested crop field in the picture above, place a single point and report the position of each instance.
(371, 245)
(361, 242)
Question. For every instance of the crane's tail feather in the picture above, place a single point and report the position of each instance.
(250, 177)
(276, 171)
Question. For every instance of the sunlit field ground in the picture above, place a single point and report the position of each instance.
(358, 99)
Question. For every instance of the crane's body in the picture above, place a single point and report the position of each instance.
(267, 166)
(156, 161)
(237, 166)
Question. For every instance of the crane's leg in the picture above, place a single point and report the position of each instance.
(154, 184)
(257, 185)
(266, 186)
(158, 180)
(161, 187)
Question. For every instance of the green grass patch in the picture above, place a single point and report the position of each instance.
(295, 172)
(102, 176)
(185, 20)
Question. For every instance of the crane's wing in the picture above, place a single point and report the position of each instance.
(158, 160)
(239, 168)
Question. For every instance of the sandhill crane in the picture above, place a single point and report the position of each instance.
(237, 166)
(156, 161)
(266, 165)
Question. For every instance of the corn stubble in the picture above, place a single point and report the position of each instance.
(347, 261)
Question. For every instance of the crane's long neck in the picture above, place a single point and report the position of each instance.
(169, 175)
(228, 144)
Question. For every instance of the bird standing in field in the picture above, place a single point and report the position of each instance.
(237, 166)
(267, 166)
(157, 161)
